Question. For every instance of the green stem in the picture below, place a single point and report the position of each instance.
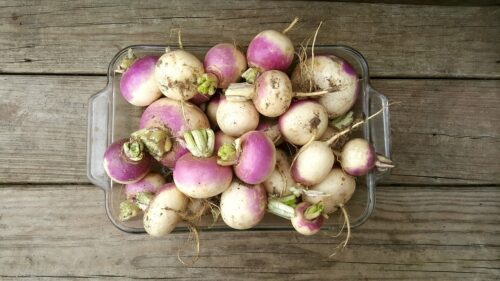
(289, 200)
(126, 62)
(134, 150)
(280, 209)
(228, 153)
(128, 210)
(200, 142)
(207, 84)
(142, 199)
(156, 141)
(342, 122)
(314, 211)
(240, 91)
(250, 75)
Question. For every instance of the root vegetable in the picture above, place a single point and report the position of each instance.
(138, 83)
(304, 120)
(162, 215)
(242, 205)
(358, 157)
(126, 162)
(236, 117)
(280, 180)
(306, 173)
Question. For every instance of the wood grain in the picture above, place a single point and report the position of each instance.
(431, 233)
(398, 40)
(444, 131)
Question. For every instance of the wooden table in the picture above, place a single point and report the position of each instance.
(437, 215)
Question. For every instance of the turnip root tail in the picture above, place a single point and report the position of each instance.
(354, 126)
(295, 20)
(126, 62)
(193, 233)
(347, 223)
(312, 53)
(383, 163)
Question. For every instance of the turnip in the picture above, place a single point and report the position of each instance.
(332, 74)
(306, 218)
(271, 94)
(271, 128)
(126, 162)
(236, 117)
(224, 63)
(151, 183)
(358, 157)
(269, 50)
(138, 84)
(280, 180)
(253, 156)
(338, 187)
(177, 72)
(164, 211)
(221, 139)
(211, 110)
(242, 205)
(173, 118)
(304, 121)
(303, 169)
(197, 174)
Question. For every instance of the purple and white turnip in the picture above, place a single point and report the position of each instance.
(243, 205)
(126, 161)
(236, 117)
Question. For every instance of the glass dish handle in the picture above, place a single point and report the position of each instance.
(380, 127)
(97, 136)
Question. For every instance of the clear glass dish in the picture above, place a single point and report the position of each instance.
(110, 117)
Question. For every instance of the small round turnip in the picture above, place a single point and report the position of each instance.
(236, 117)
(177, 72)
(138, 84)
(243, 206)
(316, 152)
(126, 162)
(304, 120)
(224, 63)
(164, 210)
(308, 218)
(257, 158)
(152, 182)
(273, 93)
(338, 187)
(358, 157)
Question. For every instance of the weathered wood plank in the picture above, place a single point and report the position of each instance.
(431, 233)
(444, 131)
(398, 40)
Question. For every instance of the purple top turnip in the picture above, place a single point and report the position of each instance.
(173, 115)
(268, 50)
(224, 63)
(150, 183)
(316, 152)
(271, 94)
(138, 84)
(253, 155)
(177, 72)
(126, 162)
(197, 174)
(306, 218)
(243, 206)
(358, 157)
